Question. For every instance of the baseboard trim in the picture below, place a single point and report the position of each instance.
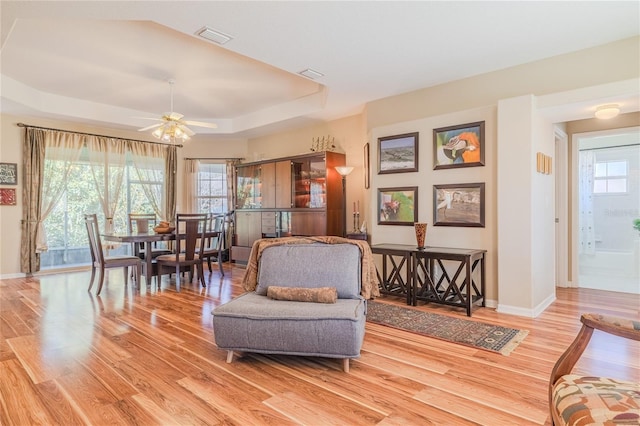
(526, 312)
(10, 276)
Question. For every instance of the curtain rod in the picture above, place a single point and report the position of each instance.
(213, 158)
(611, 146)
(94, 134)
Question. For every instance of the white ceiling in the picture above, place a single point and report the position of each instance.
(106, 63)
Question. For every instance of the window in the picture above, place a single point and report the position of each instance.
(211, 188)
(610, 177)
(65, 228)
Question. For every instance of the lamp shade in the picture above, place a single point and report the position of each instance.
(605, 112)
(344, 170)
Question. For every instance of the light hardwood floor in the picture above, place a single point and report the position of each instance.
(148, 357)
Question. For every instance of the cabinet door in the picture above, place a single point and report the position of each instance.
(249, 188)
(248, 228)
(283, 184)
(309, 182)
(308, 223)
(268, 185)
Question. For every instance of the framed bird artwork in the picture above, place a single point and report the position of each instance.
(458, 146)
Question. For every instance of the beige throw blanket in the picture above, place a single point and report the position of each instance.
(370, 281)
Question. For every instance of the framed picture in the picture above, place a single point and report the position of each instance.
(398, 154)
(458, 146)
(8, 174)
(398, 206)
(458, 205)
(367, 172)
(7, 197)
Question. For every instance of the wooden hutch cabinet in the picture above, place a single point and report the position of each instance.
(299, 195)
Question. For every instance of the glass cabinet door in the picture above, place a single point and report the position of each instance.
(249, 191)
(309, 183)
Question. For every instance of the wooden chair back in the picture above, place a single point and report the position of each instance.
(142, 223)
(95, 244)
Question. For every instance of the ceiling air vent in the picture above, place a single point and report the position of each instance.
(213, 35)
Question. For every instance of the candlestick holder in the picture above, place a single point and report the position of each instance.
(356, 223)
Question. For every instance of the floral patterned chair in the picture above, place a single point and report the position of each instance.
(587, 400)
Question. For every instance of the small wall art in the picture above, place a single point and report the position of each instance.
(7, 197)
(8, 174)
(458, 146)
(398, 206)
(458, 205)
(543, 163)
(398, 154)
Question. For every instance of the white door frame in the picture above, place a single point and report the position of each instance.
(562, 207)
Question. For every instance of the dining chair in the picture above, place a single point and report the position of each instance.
(143, 223)
(190, 240)
(213, 244)
(99, 260)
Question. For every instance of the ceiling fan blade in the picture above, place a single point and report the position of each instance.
(150, 127)
(201, 124)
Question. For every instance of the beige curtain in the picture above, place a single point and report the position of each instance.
(171, 166)
(48, 158)
(231, 183)
(107, 162)
(149, 164)
(231, 200)
(33, 170)
(191, 185)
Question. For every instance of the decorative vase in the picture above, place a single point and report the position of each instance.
(421, 233)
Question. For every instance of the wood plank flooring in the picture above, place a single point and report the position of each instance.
(148, 357)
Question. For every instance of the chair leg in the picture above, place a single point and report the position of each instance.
(138, 274)
(126, 275)
(345, 365)
(209, 263)
(93, 275)
(100, 279)
(201, 274)
(219, 259)
(229, 357)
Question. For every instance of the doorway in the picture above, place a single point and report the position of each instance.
(608, 176)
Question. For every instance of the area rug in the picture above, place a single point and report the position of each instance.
(475, 334)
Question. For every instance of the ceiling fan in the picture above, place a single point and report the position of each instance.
(172, 126)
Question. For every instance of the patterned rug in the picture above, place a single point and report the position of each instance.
(475, 334)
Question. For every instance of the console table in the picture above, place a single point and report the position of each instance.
(421, 280)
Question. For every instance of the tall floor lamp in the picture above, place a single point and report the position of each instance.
(344, 171)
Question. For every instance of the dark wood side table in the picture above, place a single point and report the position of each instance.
(427, 275)
(395, 259)
(358, 236)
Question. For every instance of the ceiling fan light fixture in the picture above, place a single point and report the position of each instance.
(213, 35)
(605, 112)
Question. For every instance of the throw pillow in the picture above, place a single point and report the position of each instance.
(299, 294)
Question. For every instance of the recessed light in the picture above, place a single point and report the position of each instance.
(213, 35)
(312, 74)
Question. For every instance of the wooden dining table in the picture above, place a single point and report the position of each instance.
(148, 239)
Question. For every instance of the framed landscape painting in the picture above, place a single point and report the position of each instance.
(458, 146)
(398, 154)
(398, 206)
(458, 205)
